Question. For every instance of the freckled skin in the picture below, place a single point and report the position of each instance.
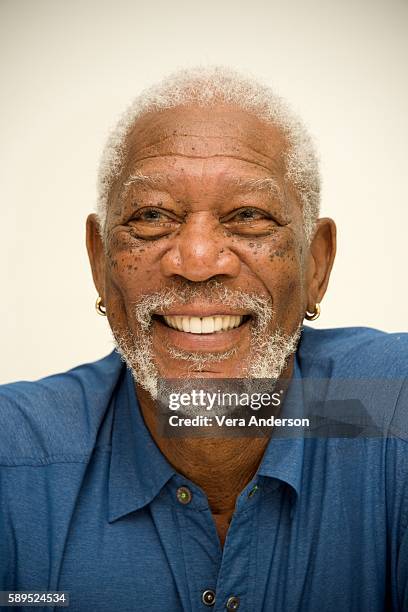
(200, 236)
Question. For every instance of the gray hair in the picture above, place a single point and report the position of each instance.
(206, 87)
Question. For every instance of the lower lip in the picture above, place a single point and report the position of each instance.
(216, 342)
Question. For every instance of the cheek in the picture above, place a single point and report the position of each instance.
(278, 262)
(132, 266)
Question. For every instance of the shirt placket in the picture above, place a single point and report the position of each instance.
(218, 580)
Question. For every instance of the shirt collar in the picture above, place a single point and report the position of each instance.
(138, 470)
(283, 458)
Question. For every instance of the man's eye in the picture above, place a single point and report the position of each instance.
(249, 221)
(248, 214)
(150, 214)
(151, 223)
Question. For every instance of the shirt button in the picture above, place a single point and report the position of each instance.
(184, 495)
(232, 603)
(253, 491)
(208, 597)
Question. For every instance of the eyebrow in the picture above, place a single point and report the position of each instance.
(152, 180)
(266, 184)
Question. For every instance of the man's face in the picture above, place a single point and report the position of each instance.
(202, 207)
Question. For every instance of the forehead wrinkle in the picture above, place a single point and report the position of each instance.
(190, 156)
(157, 180)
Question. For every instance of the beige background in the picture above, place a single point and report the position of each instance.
(69, 68)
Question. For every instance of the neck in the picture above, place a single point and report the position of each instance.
(221, 467)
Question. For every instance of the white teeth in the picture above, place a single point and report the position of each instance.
(227, 322)
(217, 324)
(177, 323)
(207, 325)
(204, 325)
(195, 325)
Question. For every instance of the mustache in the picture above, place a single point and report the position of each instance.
(209, 292)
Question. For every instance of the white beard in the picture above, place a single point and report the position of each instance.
(267, 357)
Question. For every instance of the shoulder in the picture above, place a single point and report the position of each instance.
(58, 415)
(371, 366)
(354, 352)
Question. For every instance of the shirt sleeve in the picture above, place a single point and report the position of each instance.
(402, 573)
(7, 561)
(400, 423)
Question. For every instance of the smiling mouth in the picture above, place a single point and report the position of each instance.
(203, 325)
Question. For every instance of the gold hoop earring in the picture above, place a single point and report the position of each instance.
(100, 309)
(312, 316)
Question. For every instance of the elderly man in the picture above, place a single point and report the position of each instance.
(207, 253)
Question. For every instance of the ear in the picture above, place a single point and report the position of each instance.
(322, 252)
(96, 253)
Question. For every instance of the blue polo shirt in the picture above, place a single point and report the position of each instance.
(89, 504)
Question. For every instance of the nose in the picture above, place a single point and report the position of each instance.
(200, 251)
